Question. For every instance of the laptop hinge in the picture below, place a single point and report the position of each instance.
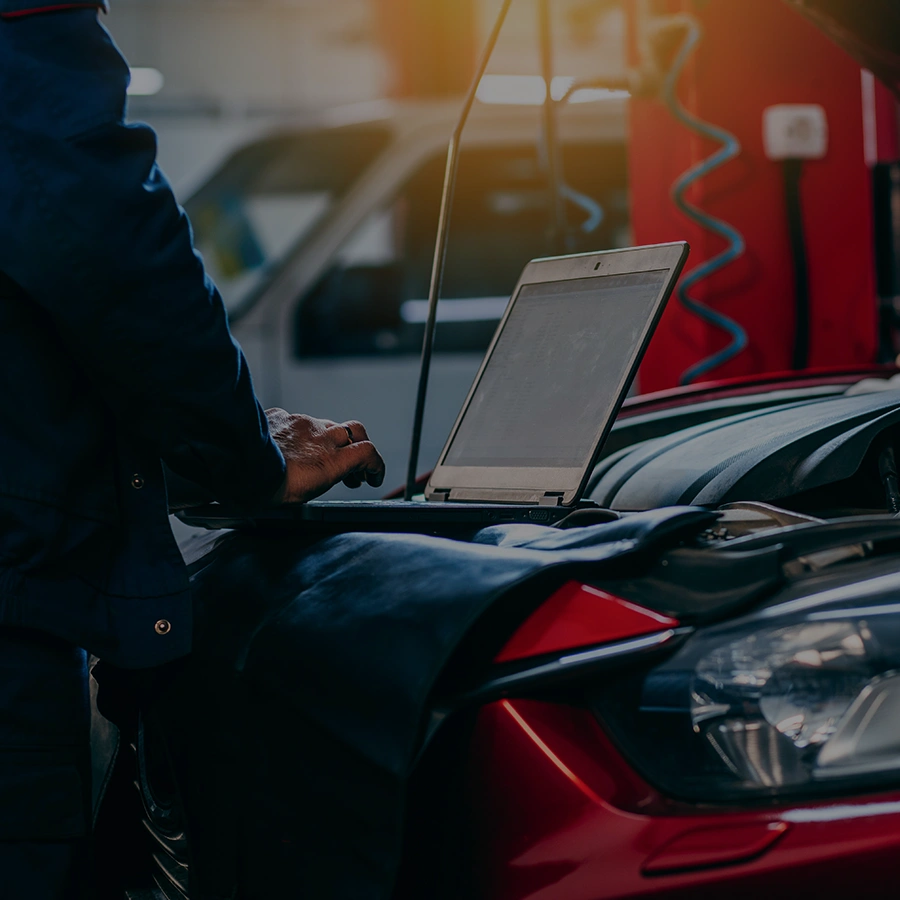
(551, 499)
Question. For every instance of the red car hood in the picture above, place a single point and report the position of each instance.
(867, 29)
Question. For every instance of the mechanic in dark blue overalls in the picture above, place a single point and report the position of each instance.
(115, 356)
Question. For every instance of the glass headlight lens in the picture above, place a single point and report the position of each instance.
(767, 709)
(767, 702)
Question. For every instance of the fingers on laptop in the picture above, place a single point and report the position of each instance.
(337, 451)
(362, 462)
(366, 464)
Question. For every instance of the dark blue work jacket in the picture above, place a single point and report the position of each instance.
(115, 353)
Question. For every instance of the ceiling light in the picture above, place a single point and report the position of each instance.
(145, 82)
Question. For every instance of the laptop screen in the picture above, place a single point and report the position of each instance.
(552, 377)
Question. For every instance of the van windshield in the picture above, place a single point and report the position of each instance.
(267, 199)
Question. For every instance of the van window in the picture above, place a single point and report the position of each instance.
(373, 299)
(267, 198)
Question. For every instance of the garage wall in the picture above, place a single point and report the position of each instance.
(236, 55)
(236, 68)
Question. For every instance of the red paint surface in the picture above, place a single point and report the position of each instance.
(714, 845)
(557, 814)
(549, 755)
(579, 615)
(755, 55)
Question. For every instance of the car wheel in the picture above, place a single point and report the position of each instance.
(164, 818)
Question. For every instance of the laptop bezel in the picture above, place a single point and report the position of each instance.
(560, 485)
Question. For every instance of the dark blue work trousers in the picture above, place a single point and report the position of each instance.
(44, 767)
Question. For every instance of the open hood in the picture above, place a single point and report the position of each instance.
(867, 29)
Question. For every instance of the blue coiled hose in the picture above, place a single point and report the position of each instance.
(731, 148)
(595, 213)
(593, 209)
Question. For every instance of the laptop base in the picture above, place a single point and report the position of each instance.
(335, 516)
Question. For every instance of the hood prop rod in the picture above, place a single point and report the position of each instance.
(440, 252)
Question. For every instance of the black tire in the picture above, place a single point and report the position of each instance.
(164, 819)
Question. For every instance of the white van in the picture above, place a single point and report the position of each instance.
(321, 240)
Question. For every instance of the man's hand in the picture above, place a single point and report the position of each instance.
(320, 453)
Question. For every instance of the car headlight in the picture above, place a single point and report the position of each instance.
(765, 709)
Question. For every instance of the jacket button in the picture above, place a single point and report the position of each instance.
(163, 626)
(137, 481)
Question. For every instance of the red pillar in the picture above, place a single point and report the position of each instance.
(755, 55)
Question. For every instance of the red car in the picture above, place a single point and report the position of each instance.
(730, 735)
(725, 721)
(725, 716)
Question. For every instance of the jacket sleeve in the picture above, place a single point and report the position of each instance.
(98, 240)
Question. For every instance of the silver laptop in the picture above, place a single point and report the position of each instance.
(534, 422)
